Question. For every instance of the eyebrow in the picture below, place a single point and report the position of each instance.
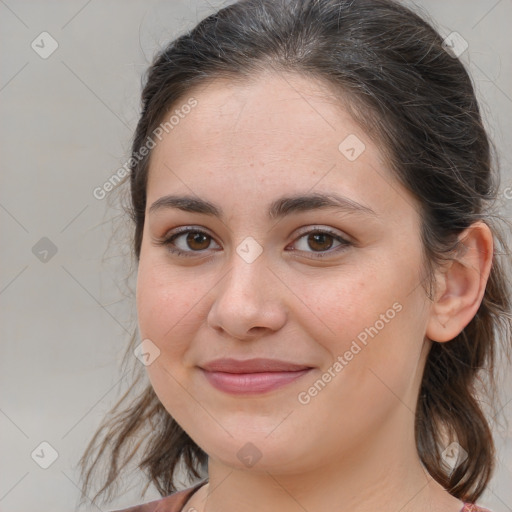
(280, 208)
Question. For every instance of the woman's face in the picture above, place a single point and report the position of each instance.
(334, 288)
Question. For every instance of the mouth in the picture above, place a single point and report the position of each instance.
(252, 376)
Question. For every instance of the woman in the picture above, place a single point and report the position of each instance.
(319, 281)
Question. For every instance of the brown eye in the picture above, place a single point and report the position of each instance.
(189, 242)
(320, 241)
(197, 241)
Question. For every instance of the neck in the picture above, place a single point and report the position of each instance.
(374, 475)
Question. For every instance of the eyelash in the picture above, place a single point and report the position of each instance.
(168, 242)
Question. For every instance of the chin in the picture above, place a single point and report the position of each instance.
(258, 452)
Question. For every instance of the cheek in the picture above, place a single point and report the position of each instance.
(368, 316)
(167, 306)
(167, 311)
(335, 308)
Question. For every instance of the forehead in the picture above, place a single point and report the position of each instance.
(280, 111)
(274, 132)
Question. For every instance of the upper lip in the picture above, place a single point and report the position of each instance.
(256, 365)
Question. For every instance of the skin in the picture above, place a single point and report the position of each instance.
(352, 446)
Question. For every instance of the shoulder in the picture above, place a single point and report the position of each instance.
(172, 503)
(471, 507)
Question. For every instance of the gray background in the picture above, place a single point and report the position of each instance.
(66, 124)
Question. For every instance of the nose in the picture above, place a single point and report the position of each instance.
(248, 302)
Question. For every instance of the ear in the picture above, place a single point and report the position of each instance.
(460, 285)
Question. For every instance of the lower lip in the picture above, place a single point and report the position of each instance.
(251, 383)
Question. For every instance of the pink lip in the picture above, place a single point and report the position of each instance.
(251, 376)
(250, 383)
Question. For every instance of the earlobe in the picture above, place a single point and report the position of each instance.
(461, 284)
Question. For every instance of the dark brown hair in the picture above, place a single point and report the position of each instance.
(416, 100)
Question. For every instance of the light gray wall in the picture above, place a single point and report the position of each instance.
(66, 123)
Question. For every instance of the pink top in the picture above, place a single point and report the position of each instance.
(470, 507)
(176, 501)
